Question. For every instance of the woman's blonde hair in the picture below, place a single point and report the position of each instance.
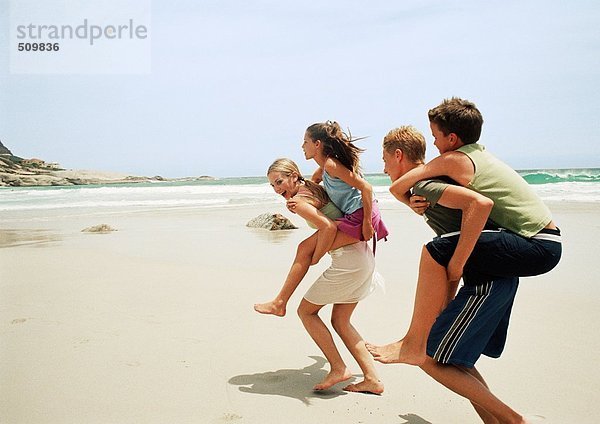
(288, 167)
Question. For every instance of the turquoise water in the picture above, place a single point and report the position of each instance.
(532, 176)
(572, 185)
(550, 176)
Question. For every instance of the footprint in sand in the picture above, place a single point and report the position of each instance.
(81, 342)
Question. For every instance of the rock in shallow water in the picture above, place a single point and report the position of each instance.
(271, 221)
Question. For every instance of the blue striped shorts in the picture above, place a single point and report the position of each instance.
(474, 323)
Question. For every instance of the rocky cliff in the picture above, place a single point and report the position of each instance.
(4, 150)
(16, 171)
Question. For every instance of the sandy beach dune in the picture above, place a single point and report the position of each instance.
(153, 323)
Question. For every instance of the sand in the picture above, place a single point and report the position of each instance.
(153, 323)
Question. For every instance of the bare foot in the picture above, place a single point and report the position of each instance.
(374, 387)
(274, 307)
(333, 378)
(399, 352)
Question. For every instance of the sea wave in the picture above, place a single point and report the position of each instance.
(135, 196)
(581, 185)
(552, 176)
(532, 176)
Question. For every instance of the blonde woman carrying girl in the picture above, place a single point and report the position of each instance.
(349, 279)
(338, 159)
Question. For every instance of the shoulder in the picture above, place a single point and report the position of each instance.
(304, 195)
(429, 186)
(455, 164)
(331, 166)
(433, 182)
(453, 157)
(472, 147)
(336, 170)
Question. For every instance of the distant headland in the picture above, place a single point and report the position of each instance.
(19, 172)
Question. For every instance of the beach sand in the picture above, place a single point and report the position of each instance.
(153, 323)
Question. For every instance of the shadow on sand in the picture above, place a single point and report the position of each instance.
(298, 384)
(413, 419)
(292, 383)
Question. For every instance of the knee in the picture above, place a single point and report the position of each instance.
(303, 313)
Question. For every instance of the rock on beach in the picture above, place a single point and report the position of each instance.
(271, 221)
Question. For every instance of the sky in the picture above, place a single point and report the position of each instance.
(230, 85)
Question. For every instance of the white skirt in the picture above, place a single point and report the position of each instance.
(350, 278)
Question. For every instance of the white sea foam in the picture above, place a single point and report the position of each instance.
(569, 191)
(134, 196)
(211, 195)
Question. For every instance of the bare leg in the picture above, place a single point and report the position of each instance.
(469, 384)
(485, 416)
(430, 299)
(340, 319)
(297, 272)
(309, 314)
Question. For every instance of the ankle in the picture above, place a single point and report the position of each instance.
(414, 341)
(279, 301)
(338, 369)
(371, 379)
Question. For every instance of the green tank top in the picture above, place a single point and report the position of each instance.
(331, 211)
(441, 219)
(516, 206)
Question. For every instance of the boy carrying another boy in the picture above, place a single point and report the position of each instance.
(476, 321)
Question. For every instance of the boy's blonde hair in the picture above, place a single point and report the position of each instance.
(408, 139)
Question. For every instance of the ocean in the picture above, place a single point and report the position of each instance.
(553, 185)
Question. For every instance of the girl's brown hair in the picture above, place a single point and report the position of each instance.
(336, 143)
